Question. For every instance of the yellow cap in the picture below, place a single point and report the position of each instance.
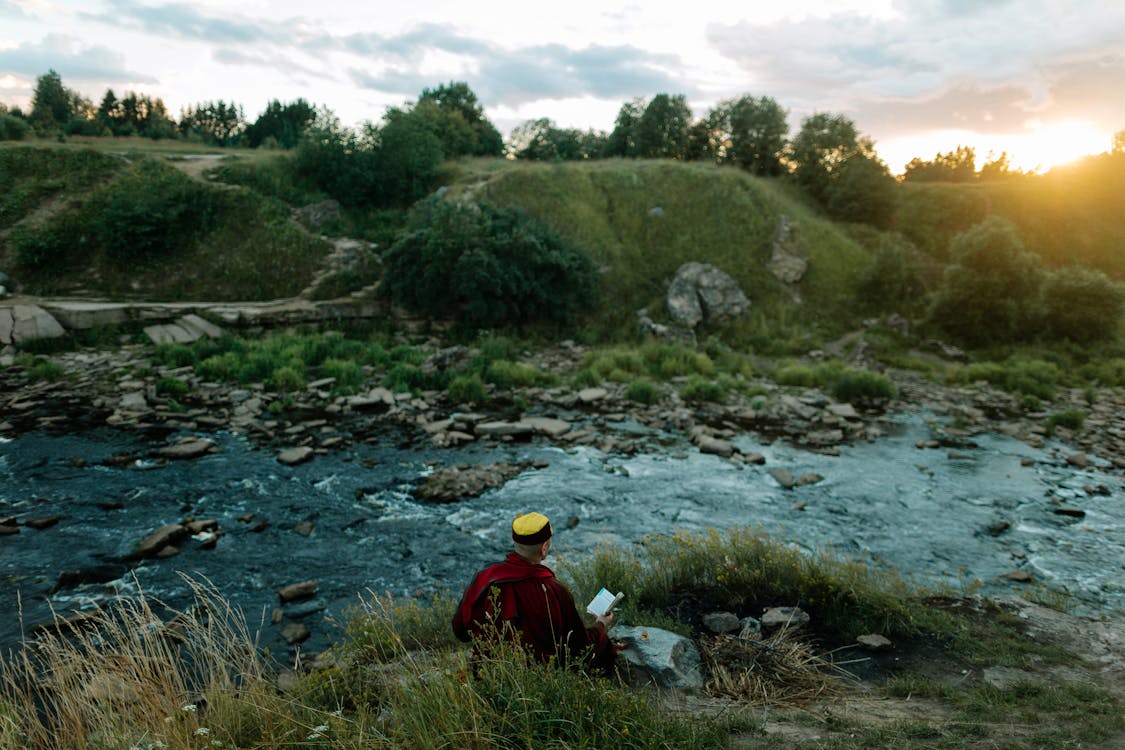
(531, 528)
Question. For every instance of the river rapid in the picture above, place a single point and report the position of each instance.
(349, 520)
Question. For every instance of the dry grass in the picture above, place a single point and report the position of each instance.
(778, 670)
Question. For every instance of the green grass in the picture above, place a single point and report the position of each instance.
(844, 383)
(719, 216)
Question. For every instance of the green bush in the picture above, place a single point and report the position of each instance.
(41, 368)
(991, 291)
(405, 377)
(586, 378)
(13, 128)
(1032, 377)
(486, 266)
(798, 375)
(175, 355)
(505, 374)
(349, 374)
(1072, 419)
(1082, 305)
(892, 282)
(287, 378)
(863, 385)
(467, 389)
(699, 388)
(643, 391)
(171, 387)
(151, 207)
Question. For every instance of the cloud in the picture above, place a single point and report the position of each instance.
(510, 77)
(186, 22)
(956, 64)
(71, 59)
(271, 60)
(12, 9)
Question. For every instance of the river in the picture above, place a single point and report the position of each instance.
(937, 515)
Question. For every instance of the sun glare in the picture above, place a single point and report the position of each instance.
(1052, 144)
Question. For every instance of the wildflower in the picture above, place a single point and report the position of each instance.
(203, 731)
(190, 708)
(167, 719)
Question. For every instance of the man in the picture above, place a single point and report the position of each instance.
(521, 600)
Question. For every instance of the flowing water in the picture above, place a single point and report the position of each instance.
(924, 512)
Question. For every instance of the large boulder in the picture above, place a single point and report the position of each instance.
(21, 323)
(786, 266)
(659, 657)
(701, 292)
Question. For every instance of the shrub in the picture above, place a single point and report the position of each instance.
(863, 385)
(13, 128)
(699, 388)
(349, 375)
(175, 355)
(1082, 305)
(892, 281)
(405, 377)
(643, 391)
(505, 374)
(149, 207)
(467, 389)
(795, 375)
(287, 378)
(586, 378)
(1072, 419)
(1032, 377)
(41, 368)
(487, 266)
(171, 387)
(991, 291)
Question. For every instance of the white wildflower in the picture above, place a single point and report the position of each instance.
(190, 708)
(321, 728)
(203, 731)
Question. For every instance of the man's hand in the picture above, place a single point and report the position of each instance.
(605, 621)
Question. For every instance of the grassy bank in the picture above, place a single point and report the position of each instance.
(138, 676)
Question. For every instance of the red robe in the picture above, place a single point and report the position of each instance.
(539, 610)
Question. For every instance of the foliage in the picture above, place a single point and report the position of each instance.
(1071, 419)
(281, 125)
(1082, 305)
(930, 214)
(1018, 374)
(216, 123)
(456, 117)
(643, 391)
(844, 383)
(53, 105)
(699, 388)
(750, 133)
(406, 155)
(487, 266)
(467, 389)
(13, 128)
(862, 190)
(504, 374)
(135, 114)
(171, 387)
(622, 140)
(819, 151)
(542, 140)
(956, 166)
(991, 290)
(892, 280)
(661, 132)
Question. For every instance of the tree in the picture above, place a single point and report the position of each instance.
(622, 140)
(662, 130)
(1119, 142)
(215, 123)
(862, 190)
(991, 291)
(457, 119)
(1082, 305)
(283, 123)
(820, 149)
(406, 155)
(51, 104)
(487, 266)
(958, 165)
(998, 168)
(542, 140)
(754, 132)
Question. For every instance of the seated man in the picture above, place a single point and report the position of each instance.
(520, 599)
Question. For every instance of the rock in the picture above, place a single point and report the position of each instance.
(749, 627)
(304, 609)
(1019, 576)
(808, 478)
(996, 528)
(21, 323)
(8, 530)
(843, 411)
(316, 215)
(701, 292)
(784, 617)
(295, 632)
(42, 523)
(721, 622)
(158, 540)
(874, 642)
(169, 551)
(660, 658)
(754, 458)
(456, 358)
(185, 451)
(295, 591)
(504, 429)
(590, 395)
(552, 428)
(1071, 511)
(294, 456)
(305, 528)
(1078, 460)
(97, 573)
(455, 482)
(783, 477)
(715, 446)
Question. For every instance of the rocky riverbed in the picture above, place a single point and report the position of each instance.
(106, 487)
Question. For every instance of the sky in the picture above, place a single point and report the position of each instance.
(1043, 80)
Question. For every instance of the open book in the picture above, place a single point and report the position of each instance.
(604, 602)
